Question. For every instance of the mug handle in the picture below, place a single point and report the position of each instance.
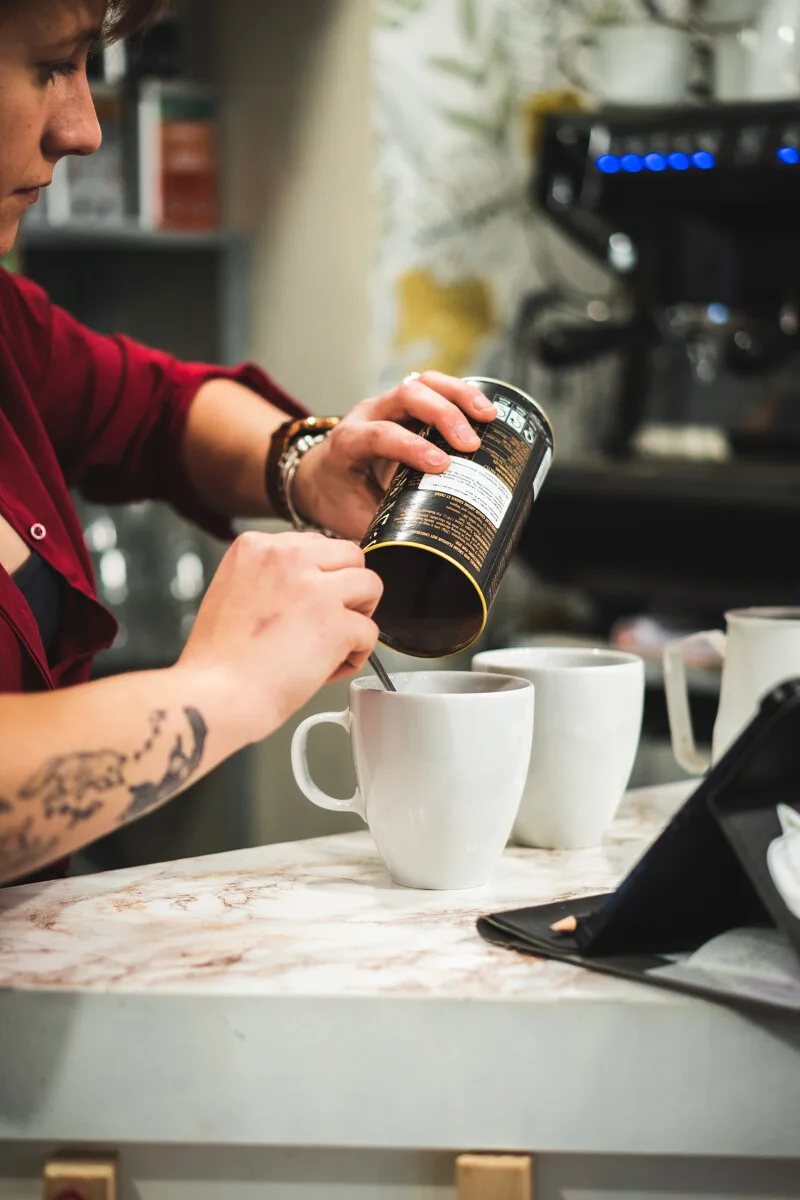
(302, 773)
(680, 717)
(568, 63)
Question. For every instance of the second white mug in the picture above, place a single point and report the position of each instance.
(589, 706)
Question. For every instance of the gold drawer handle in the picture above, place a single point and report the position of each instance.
(494, 1177)
(80, 1179)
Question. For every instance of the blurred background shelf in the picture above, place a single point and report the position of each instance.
(721, 485)
(669, 538)
(116, 279)
(129, 236)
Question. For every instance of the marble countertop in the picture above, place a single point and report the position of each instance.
(291, 995)
(319, 917)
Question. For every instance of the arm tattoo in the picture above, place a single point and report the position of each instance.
(70, 786)
(156, 720)
(181, 765)
(73, 787)
(20, 848)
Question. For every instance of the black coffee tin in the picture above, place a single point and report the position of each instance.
(441, 543)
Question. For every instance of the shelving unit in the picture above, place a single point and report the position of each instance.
(687, 538)
(112, 277)
(751, 485)
(124, 237)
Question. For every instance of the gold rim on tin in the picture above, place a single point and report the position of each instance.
(453, 563)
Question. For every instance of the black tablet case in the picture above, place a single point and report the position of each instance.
(707, 874)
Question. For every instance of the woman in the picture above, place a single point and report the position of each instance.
(284, 614)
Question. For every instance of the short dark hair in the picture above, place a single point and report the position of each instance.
(126, 17)
(123, 19)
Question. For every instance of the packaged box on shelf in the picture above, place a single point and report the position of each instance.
(109, 63)
(94, 185)
(177, 125)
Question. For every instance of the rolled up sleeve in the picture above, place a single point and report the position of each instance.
(115, 411)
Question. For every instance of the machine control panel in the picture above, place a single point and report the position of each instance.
(685, 142)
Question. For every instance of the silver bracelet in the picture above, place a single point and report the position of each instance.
(288, 469)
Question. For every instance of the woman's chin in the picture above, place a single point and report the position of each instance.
(9, 228)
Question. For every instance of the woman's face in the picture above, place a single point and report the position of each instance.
(46, 109)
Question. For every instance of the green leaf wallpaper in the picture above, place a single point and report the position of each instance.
(452, 79)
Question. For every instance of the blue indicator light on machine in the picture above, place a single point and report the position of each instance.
(655, 162)
(631, 162)
(704, 160)
(608, 164)
(788, 154)
(678, 161)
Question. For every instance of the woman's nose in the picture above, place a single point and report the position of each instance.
(73, 127)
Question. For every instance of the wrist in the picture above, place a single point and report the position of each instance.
(238, 706)
(290, 443)
(301, 474)
(217, 691)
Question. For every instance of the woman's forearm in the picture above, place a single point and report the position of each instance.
(283, 615)
(227, 439)
(77, 764)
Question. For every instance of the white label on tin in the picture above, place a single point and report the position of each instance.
(470, 482)
(541, 474)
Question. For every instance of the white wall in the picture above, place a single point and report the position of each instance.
(295, 80)
(297, 145)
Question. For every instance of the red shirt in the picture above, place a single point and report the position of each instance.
(104, 415)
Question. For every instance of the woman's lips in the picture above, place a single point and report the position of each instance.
(31, 195)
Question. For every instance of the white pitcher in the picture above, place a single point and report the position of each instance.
(759, 651)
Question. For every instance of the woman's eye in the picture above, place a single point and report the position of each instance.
(52, 71)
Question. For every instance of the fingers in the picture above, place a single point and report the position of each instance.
(342, 560)
(439, 401)
(417, 400)
(329, 554)
(363, 639)
(389, 441)
(358, 589)
(336, 554)
(467, 397)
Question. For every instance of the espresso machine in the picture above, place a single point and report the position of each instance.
(695, 212)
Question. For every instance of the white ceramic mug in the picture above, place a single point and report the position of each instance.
(760, 650)
(632, 64)
(774, 72)
(756, 48)
(440, 766)
(719, 15)
(589, 707)
(734, 64)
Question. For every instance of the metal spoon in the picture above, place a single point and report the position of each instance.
(381, 672)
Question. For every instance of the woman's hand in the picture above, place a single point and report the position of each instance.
(284, 614)
(339, 483)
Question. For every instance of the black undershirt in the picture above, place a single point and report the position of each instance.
(43, 589)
